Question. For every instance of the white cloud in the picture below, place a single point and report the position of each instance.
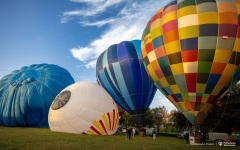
(97, 23)
(127, 25)
(94, 7)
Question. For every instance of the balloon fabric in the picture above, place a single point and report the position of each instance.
(191, 52)
(121, 72)
(84, 108)
(26, 94)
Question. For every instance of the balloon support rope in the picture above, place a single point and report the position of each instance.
(228, 94)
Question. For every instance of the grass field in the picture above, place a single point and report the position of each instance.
(43, 138)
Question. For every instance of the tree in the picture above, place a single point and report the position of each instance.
(179, 120)
(149, 118)
(158, 116)
(127, 120)
(224, 116)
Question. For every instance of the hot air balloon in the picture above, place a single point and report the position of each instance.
(191, 50)
(120, 110)
(121, 72)
(26, 94)
(84, 108)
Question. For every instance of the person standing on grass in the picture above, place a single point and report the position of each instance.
(134, 131)
(127, 133)
(130, 133)
(187, 137)
(154, 134)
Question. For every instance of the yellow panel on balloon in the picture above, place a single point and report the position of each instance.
(164, 82)
(173, 47)
(156, 32)
(187, 11)
(152, 73)
(222, 55)
(169, 17)
(175, 89)
(230, 70)
(195, 112)
(177, 68)
(205, 98)
(183, 105)
(156, 24)
(216, 90)
(171, 99)
(208, 18)
(144, 52)
(238, 8)
(188, 32)
(237, 45)
(201, 87)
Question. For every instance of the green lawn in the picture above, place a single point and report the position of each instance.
(43, 138)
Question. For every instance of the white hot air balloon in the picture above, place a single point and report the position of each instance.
(84, 108)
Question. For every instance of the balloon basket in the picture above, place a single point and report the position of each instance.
(194, 136)
(141, 133)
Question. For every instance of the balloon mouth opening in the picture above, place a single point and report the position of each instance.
(25, 77)
(61, 100)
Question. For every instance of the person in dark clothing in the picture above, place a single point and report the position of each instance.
(127, 133)
(187, 137)
(204, 138)
(130, 133)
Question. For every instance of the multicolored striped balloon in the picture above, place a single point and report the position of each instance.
(121, 72)
(191, 51)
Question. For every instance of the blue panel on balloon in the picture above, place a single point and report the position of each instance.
(27, 94)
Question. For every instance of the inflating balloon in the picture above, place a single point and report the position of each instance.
(191, 50)
(84, 108)
(26, 94)
(121, 72)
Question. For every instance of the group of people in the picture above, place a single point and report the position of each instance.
(130, 133)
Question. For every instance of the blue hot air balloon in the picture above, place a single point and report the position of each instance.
(27, 94)
(121, 72)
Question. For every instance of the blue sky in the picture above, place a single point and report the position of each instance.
(70, 33)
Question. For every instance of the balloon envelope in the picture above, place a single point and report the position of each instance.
(84, 108)
(191, 53)
(121, 72)
(27, 94)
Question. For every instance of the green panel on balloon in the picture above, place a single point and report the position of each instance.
(204, 66)
(190, 116)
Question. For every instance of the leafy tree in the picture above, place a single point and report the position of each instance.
(158, 116)
(127, 120)
(180, 121)
(224, 116)
(149, 118)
